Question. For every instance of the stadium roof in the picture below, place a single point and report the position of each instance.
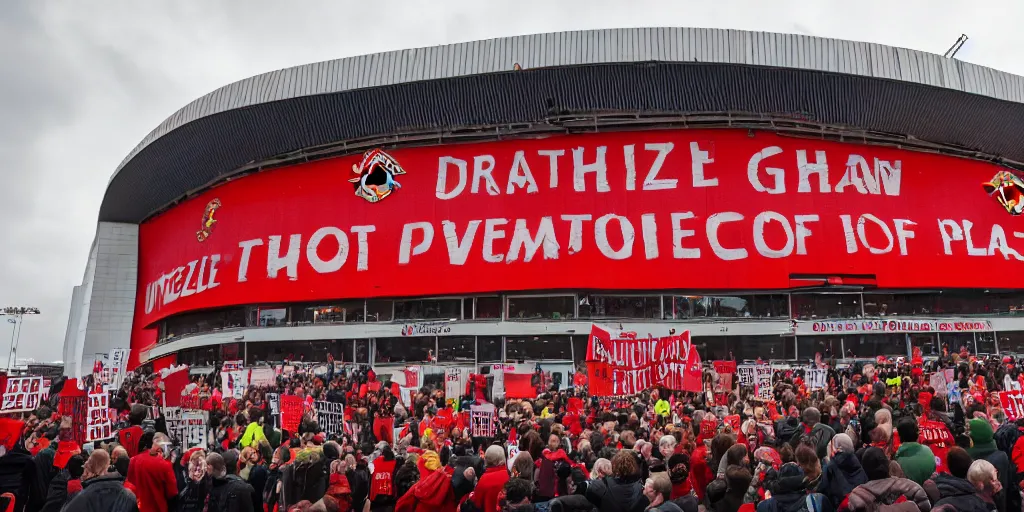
(573, 82)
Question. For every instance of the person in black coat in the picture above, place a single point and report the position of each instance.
(57, 494)
(104, 494)
(228, 493)
(20, 476)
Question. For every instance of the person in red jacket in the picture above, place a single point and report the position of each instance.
(485, 496)
(152, 475)
(130, 437)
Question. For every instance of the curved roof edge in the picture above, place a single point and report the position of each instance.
(606, 46)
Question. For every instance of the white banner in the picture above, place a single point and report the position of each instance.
(806, 328)
(274, 410)
(938, 382)
(233, 383)
(482, 420)
(22, 394)
(262, 377)
(455, 382)
(117, 363)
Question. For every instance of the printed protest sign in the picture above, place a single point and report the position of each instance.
(187, 427)
(98, 425)
(22, 394)
(331, 417)
(291, 413)
(745, 372)
(763, 383)
(816, 378)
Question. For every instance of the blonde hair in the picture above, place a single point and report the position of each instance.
(96, 465)
(980, 472)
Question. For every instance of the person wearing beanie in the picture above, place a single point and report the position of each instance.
(983, 447)
(917, 460)
(843, 471)
(882, 489)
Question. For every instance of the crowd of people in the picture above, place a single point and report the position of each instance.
(876, 437)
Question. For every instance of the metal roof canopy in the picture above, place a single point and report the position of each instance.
(595, 78)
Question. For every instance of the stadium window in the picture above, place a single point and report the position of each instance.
(379, 310)
(813, 306)
(928, 342)
(900, 304)
(620, 306)
(827, 346)
(362, 352)
(557, 307)
(986, 342)
(428, 309)
(872, 345)
(538, 348)
(404, 349)
(488, 349)
(456, 348)
(201, 322)
(1011, 342)
(951, 340)
(579, 348)
(708, 306)
(487, 308)
(273, 317)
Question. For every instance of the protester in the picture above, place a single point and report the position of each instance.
(102, 491)
(843, 472)
(228, 492)
(883, 489)
(152, 474)
(916, 460)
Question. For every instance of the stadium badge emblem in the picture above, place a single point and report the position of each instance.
(375, 176)
(208, 221)
(1008, 189)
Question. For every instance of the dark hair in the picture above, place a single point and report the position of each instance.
(138, 414)
(146, 441)
(959, 461)
(737, 478)
(786, 453)
(735, 454)
(907, 429)
(807, 458)
(518, 489)
(76, 466)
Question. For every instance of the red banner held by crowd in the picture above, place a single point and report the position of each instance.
(622, 364)
(520, 385)
(291, 413)
(1013, 404)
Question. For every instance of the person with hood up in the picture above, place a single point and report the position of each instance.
(228, 492)
(485, 496)
(953, 490)
(843, 471)
(65, 485)
(814, 432)
(983, 446)
(883, 489)
(916, 460)
(623, 491)
(102, 491)
(789, 494)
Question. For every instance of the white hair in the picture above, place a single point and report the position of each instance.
(494, 456)
(980, 472)
(667, 441)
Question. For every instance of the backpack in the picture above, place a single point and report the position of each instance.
(547, 478)
(882, 504)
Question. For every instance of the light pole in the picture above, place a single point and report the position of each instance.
(17, 315)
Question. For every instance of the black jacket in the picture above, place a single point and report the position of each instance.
(19, 475)
(57, 494)
(192, 498)
(612, 494)
(230, 494)
(959, 493)
(104, 494)
(258, 476)
(840, 476)
(302, 481)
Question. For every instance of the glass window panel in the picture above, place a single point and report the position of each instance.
(541, 308)
(488, 308)
(379, 310)
(928, 342)
(986, 342)
(428, 309)
(743, 348)
(405, 349)
(271, 317)
(724, 306)
(873, 345)
(538, 348)
(202, 322)
(827, 346)
(770, 306)
(488, 349)
(1011, 342)
(362, 352)
(579, 348)
(953, 341)
(620, 306)
(809, 306)
(905, 304)
(456, 348)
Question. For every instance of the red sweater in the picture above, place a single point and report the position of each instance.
(154, 481)
(485, 496)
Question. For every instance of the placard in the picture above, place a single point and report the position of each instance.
(274, 409)
(331, 417)
(816, 378)
(98, 424)
(22, 394)
(455, 382)
(513, 451)
(262, 377)
(763, 382)
(482, 420)
(187, 427)
(745, 372)
(234, 383)
(117, 363)
(231, 366)
(938, 382)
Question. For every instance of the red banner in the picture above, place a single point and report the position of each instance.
(174, 384)
(622, 364)
(519, 385)
(1013, 404)
(291, 413)
(735, 209)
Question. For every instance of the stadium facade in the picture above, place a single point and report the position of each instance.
(778, 196)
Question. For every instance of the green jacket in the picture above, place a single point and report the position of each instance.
(917, 461)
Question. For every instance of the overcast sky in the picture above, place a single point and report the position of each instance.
(81, 83)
